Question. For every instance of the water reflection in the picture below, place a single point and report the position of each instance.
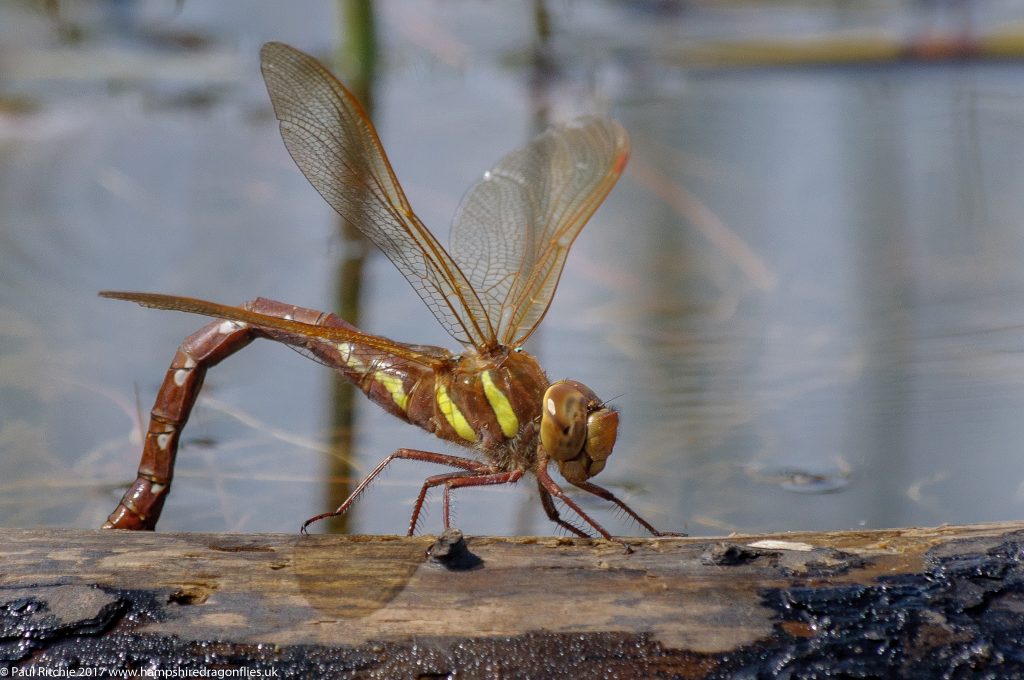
(806, 290)
(358, 67)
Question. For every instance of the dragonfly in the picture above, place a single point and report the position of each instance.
(490, 291)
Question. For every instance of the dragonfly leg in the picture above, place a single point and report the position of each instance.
(549, 485)
(607, 495)
(141, 504)
(477, 479)
(554, 516)
(472, 466)
(430, 483)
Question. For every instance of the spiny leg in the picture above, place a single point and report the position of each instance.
(140, 507)
(607, 495)
(403, 454)
(554, 516)
(549, 485)
(510, 477)
(428, 484)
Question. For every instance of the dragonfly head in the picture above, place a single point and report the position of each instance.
(577, 430)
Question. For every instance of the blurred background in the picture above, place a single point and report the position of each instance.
(806, 294)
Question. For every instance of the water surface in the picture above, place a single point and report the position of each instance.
(805, 295)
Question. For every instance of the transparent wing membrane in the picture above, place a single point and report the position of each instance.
(336, 147)
(515, 226)
(419, 354)
(512, 232)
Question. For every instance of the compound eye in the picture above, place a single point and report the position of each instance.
(602, 429)
(563, 423)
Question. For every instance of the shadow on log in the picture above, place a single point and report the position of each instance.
(945, 602)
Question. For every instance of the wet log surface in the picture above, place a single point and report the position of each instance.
(943, 602)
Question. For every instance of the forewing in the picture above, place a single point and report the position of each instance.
(419, 354)
(515, 226)
(335, 145)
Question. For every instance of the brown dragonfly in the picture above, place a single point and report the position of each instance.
(509, 241)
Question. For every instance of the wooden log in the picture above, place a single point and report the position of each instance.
(942, 602)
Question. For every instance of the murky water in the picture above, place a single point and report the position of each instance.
(806, 294)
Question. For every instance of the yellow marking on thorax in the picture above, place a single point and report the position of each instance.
(452, 413)
(501, 406)
(393, 384)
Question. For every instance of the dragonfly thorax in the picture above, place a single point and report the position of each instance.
(491, 402)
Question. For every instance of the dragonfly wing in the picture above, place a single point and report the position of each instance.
(335, 145)
(420, 354)
(515, 226)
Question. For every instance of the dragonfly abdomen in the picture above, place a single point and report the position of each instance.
(385, 379)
